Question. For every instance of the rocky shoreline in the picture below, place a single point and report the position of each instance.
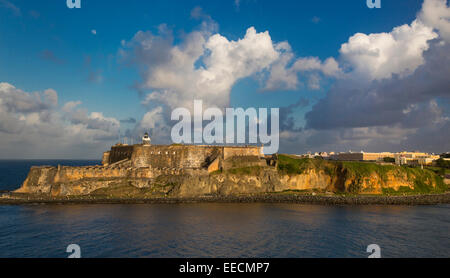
(429, 199)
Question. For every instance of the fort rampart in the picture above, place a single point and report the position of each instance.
(146, 162)
(175, 156)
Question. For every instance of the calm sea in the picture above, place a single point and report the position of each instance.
(216, 230)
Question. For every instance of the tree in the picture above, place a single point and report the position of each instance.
(389, 159)
(443, 163)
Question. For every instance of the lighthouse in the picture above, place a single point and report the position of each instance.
(146, 139)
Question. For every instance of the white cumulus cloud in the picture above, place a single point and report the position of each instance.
(378, 56)
(34, 126)
(436, 14)
(204, 66)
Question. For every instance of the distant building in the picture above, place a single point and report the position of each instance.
(306, 155)
(361, 156)
(401, 158)
(323, 155)
(415, 158)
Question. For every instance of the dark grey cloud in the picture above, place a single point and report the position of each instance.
(409, 113)
(408, 101)
(18, 101)
(34, 126)
(287, 119)
(94, 121)
(433, 138)
(147, 50)
(10, 124)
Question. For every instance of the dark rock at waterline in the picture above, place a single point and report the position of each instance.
(431, 199)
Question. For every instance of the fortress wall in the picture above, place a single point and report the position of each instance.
(241, 151)
(119, 153)
(144, 173)
(67, 174)
(185, 156)
(172, 156)
(105, 158)
(195, 156)
(195, 172)
(243, 161)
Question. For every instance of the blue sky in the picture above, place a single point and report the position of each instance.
(43, 45)
(66, 33)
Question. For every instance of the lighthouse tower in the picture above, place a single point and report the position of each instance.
(146, 139)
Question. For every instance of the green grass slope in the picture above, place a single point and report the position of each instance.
(290, 165)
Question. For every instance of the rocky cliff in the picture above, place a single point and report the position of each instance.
(290, 174)
(355, 177)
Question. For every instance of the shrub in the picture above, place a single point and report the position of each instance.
(443, 163)
(389, 159)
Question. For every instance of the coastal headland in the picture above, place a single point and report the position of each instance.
(145, 173)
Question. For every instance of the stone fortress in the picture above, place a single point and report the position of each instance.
(179, 157)
(140, 165)
(154, 171)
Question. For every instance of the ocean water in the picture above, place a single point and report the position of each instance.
(217, 230)
(14, 172)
